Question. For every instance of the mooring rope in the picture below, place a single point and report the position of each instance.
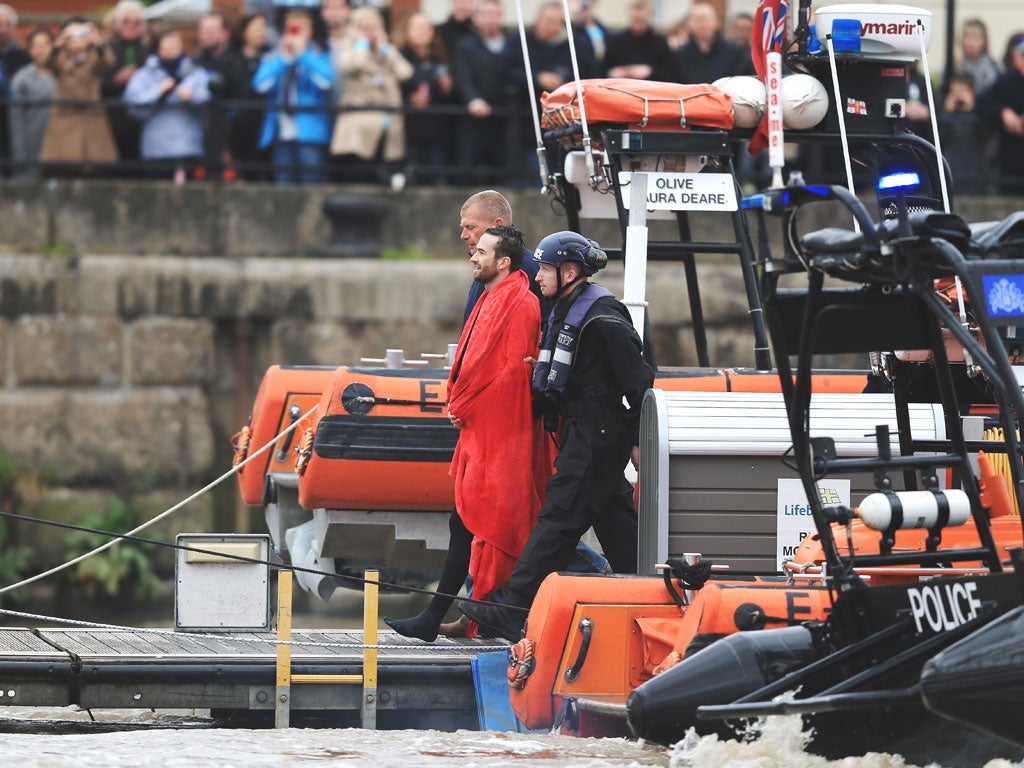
(131, 536)
(276, 564)
(205, 489)
(236, 638)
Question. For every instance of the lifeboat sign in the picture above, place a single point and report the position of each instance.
(685, 191)
(795, 521)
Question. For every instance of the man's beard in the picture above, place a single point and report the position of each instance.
(485, 275)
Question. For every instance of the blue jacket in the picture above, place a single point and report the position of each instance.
(313, 83)
(169, 129)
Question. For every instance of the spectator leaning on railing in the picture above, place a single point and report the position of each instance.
(429, 137)
(297, 80)
(228, 81)
(975, 59)
(1003, 104)
(486, 62)
(372, 70)
(164, 95)
(12, 58)
(708, 55)
(130, 43)
(78, 131)
(31, 93)
(250, 45)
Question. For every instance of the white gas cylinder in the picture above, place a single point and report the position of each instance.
(920, 509)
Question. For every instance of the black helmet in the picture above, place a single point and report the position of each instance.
(569, 246)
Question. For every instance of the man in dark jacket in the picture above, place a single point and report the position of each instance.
(589, 362)
(458, 25)
(548, 45)
(638, 52)
(480, 212)
(488, 75)
(228, 80)
(708, 55)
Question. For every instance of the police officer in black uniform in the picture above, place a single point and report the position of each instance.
(590, 359)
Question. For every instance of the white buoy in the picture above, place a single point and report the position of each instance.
(748, 99)
(920, 509)
(804, 102)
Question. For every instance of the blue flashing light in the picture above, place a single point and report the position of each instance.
(900, 180)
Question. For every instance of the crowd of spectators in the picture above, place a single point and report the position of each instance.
(341, 94)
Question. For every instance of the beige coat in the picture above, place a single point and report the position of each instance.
(370, 80)
(79, 134)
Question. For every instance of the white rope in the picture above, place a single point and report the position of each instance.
(162, 515)
(941, 168)
(235, 638)
(588, 154)
(934, 120)
(840, 108)
(534, 104)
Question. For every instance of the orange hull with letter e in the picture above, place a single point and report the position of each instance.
(285, 393)
(381, 438)
(373, 458)
(381, 441)
(592, 639)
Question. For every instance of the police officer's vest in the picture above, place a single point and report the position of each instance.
(559, 348)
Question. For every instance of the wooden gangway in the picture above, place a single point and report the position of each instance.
(419, 684)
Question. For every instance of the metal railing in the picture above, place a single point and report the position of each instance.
(970, 141)
(504, 133)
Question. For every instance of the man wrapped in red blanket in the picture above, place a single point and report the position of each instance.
(502, 460)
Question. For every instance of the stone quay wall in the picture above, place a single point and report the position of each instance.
(137, 319)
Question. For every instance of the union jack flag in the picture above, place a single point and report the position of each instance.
(856, 107)
(769, 34)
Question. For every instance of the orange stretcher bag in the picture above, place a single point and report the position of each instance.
(639, 104)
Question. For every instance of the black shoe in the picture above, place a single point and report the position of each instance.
(505, 621)
(486, 633)
(458, 628)
(414, 627)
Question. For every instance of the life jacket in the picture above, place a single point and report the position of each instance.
(559, 348)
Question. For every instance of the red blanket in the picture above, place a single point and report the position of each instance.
(501, 462)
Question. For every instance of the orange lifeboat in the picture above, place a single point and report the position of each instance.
(381, 440)
(596, 638)
(286, 392)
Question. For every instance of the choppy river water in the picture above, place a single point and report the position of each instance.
(58, 738)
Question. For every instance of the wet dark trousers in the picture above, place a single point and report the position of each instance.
(587, 489)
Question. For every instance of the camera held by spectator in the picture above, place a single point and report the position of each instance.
(960, 97)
